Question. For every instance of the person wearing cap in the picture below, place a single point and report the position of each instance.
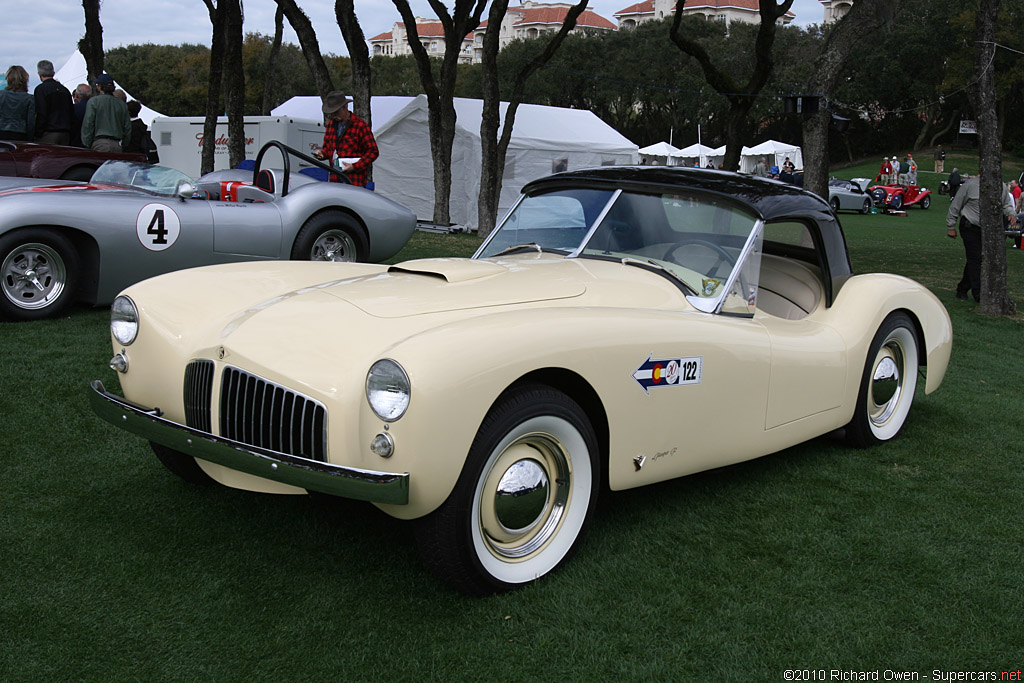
(107, 127)
(347, 137)
(885, 171)
(911, 170)
(894, 177)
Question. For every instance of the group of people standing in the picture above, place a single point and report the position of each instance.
(100, 119)
(896, 172)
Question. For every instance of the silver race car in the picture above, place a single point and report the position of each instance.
(850, 195)
(64, 241)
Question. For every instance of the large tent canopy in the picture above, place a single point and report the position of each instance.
(74, 72)
(774, 153)
(660, 153)
(544, 140)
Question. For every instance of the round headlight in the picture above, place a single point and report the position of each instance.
(387, 390)
(124, 320)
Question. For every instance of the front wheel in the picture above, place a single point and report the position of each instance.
(926, 202)
(523, 499)
(40, 274)
(888, 383)
(330, 236)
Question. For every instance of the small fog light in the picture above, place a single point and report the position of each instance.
(119, 363)
(383, 445)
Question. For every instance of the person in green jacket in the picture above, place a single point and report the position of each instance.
(107, 127)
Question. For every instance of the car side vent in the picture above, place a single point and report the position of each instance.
(260, 413)
(197, 392)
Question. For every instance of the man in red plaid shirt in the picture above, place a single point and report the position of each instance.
(349, 139)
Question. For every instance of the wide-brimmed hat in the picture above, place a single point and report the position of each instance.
(334, 101)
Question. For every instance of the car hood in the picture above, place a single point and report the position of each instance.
(438, 285)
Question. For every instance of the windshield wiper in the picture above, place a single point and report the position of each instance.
(517, 247)
(628, 261)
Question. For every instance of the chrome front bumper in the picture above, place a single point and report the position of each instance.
(347, 482)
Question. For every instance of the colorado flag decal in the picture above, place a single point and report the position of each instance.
(668, 372)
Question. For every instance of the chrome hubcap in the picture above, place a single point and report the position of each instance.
(525, 496)
(33, 276)
(886, 382)
(334, 245)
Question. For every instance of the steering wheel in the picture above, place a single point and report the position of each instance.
(723, 257)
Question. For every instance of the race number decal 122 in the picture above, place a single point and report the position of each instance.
(158, 227)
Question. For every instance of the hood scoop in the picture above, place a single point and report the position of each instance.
(449, 269)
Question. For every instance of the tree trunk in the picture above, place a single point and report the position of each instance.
(234, 81)
(91, 44)
(954, 117)
(926, 127)
(213, 85)
(310, 46)
(493, 152)
(359, 53)
(275, 50)
(440, 104)
(865, 18)
(741, 97)
(995, 299)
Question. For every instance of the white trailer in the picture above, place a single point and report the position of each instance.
(179, 139)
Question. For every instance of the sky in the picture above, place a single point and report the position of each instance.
(50, 29)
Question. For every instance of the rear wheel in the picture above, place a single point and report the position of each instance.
(834, 203)
(897, 201)
(866, 208)
(888, 383)
(185, 466)
(330, 236)
(40, 274)
(523, 499)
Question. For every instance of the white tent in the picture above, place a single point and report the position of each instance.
(545, 139)
(659, 154)
(774, 153)
(74, 72)
(698, 153)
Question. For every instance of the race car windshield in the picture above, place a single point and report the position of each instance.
(158, 180)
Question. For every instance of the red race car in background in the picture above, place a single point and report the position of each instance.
(899, 196)
(31, 160)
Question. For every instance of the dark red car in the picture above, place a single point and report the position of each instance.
(31, 160)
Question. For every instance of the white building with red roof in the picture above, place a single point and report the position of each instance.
(836, 9)
(529, 20)
(746, 11)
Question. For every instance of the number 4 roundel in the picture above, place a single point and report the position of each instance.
(158, 227)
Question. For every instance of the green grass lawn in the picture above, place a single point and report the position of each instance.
(901, 557)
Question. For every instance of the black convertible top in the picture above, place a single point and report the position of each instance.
(771, 200)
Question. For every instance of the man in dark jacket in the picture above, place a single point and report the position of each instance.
(81, 97)
(954, 182)
(54, 113)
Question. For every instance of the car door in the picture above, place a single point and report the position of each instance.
(248, 229)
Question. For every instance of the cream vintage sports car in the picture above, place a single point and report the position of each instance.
(622, 326)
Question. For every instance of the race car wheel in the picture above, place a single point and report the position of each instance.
(888, 383)
(523, 498)
(834, 203)
(926, 202)
(867, 206)
(40, 273)
(330, 236)
(185, 466)
(897, 201)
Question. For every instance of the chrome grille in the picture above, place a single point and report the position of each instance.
(260, 413)
(197, 392)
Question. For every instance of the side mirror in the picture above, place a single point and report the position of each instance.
(186, 189)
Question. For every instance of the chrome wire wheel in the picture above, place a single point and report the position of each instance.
(34, 276)
(531, 499)
(333, 245)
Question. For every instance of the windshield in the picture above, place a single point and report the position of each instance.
(696, 240)
(142, 176)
